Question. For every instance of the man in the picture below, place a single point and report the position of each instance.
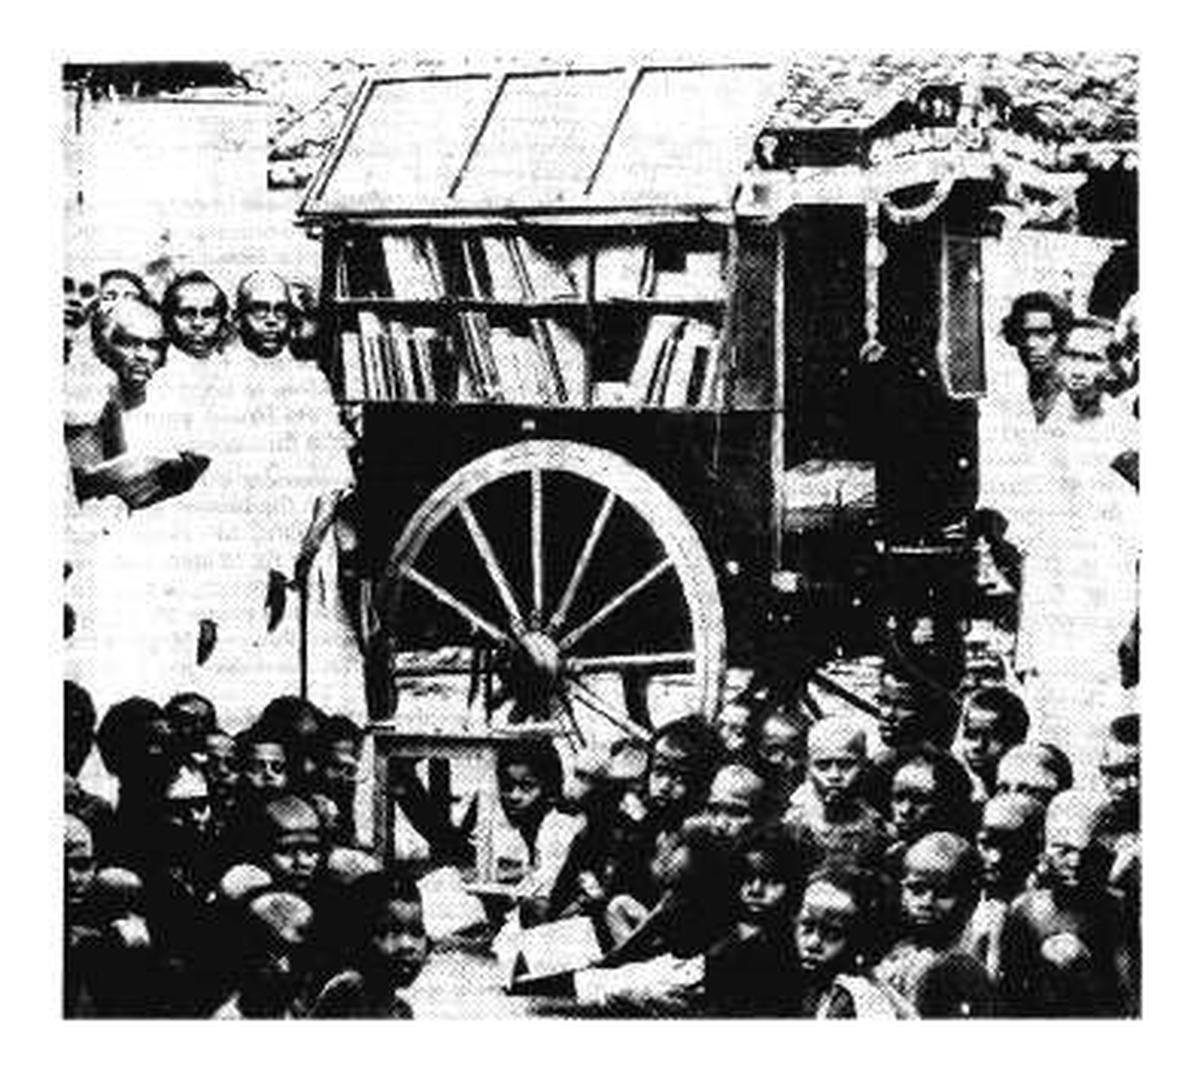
(279, 465)
(195, 310)
(1036, 326)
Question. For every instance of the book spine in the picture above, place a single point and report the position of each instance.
(353, 390)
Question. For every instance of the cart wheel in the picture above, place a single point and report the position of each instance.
(566, 573)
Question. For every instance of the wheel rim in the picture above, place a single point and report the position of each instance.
(550, 554)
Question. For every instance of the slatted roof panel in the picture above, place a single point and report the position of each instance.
(653, 136)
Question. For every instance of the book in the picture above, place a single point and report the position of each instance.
(553, 948)
(544, 278)
(570, 361)
(353, 388)
(408, 267)
(370, 333)
(506, 281)
(477, 333)
(660, 330)
(448, 906)
(479, 279)
(684, 379)
(517, 367)
(400, 341)
(620, 271)
(422, 341)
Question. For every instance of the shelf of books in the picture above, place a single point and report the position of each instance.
(633, 320)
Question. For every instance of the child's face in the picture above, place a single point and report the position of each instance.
(669, 783)
(295, 857)
(274, 977)
(983, 744)
(823, 928)
(79, 862)
(781, 748)
(733, 728)
(899, 719)
(1073, 860)
(218, 762)
(1024, 773)
(1007, 852)
(398, 942)
(340, 770)
(763, 891)
(1120, 769)
(929, 899)
(732, 800)
(521, 793)
(834, 769)
(913, 800)
(266, 767)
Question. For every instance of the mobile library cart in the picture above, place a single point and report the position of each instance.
(649, 387)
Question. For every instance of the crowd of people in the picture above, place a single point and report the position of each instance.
(744, 867)
(956, 857)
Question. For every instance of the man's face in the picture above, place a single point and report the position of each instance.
(983, 745)
(265, 318)
(113, 290)
(134, 347)
(195, 322)
(1038, 341)
(1084, 363)
(913, 800)
(266, 767)
(398, 942)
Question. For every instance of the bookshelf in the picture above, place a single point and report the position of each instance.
(633, 318)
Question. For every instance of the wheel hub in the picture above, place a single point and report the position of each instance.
(535, 672)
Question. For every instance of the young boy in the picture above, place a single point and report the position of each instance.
(828, 815)
(388, 956)
(994, 720)
(836, 930)
(533, 849)
(732, 725)
(278, 927)
(339, 751)
(1009, 845)
(779, 751)
(751, 971)
(1035, 769)
(1065, 946)
(939, 888)
(736, 800)
(192, 717)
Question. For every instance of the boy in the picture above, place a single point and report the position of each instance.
(779, 752)
(828, 815)
(79, 723)
(278, 926)
(1038, 770)
(733, 730)
(1009, 845)
(262, 762)
(1065, 947)
(994, 720)
(192, 717)
(736, 800)
(939, 888)
(391, 952)
(338, 752)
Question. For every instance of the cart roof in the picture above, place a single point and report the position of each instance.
(647, 138)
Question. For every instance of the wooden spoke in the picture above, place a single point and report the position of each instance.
(450, 601)
(583, 694)
(621, 662)
(581, 565)
(561, 701)
(622, 598)
(535, 544)
(494, 570)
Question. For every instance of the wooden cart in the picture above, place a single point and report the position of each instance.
(649, 387)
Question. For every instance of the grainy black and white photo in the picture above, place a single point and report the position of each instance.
(557, 537)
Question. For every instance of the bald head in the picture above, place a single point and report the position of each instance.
(265, 313)
(281, 916)
(1028, 770)
(290, 813)
(131, 341)
(1073, 818)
